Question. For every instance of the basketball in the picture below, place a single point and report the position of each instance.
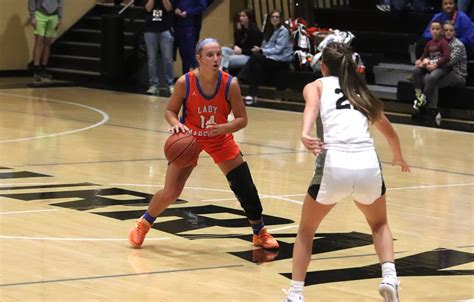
(181, 149)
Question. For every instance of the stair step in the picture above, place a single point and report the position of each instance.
(404, 67)
(74, 71)
(89, 78)
(384, 92)
(75, 62)
(94, 36)
(85, 30)
(114, 9)
(76, 49)
(79, 43)
(75, 57)
(391, 74)
(95, 31)
(83, 49)
(95, 23)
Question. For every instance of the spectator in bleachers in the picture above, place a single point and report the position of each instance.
(246, 36)
(431, 67)
(467, 6)
(458, 57)
(275, 54)
(462, 23)
(458, 73)
(159, 39)
(187, 27)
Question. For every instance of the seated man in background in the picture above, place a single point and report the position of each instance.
(458, 73)
(456, 76)
(431, 67)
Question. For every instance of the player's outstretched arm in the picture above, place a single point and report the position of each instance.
(386, 128)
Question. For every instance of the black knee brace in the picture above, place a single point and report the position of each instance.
(242, 185)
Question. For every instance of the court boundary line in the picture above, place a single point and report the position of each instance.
(278, 197)
(283, 196)
(74, 239)
(245, 155)
(100, 123)
(120, 275)
(105, 118)
(28, 212)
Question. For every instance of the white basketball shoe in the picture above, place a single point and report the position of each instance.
(293, 297)
(388, 288)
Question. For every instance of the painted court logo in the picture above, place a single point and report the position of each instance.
(199, 219)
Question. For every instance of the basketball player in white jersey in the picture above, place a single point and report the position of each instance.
(346, 163)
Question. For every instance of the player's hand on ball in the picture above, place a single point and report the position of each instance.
(178, 128)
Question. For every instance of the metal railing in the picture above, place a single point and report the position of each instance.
(126, 7)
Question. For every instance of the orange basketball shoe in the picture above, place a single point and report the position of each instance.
(265, 240)
(138, 233)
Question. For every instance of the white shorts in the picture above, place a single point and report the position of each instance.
(339, 174)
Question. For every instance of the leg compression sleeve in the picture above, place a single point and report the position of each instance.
(242, 185)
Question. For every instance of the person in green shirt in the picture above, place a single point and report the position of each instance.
(45, 17)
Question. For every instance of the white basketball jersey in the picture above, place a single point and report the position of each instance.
(340, 125)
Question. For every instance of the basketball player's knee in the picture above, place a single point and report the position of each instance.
(242, 185)
(377, 225)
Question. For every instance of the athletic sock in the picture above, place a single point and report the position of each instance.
(257, 227)
(297, 287)
(388, 269)
(149, 218)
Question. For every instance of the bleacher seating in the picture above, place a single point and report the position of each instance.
(380, 38)
(385, 38)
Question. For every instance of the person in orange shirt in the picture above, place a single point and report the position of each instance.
(208, 96)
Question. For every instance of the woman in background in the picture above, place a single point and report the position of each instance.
(246, 36)
(275, 55)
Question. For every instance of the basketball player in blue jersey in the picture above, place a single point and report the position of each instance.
(346, 163)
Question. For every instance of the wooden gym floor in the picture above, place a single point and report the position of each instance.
(78, 166)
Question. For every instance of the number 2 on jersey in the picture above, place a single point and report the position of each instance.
(341, 100)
